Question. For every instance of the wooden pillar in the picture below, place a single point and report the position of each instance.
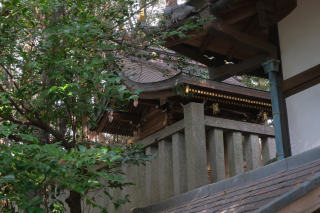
(101, 137)
(85, 128)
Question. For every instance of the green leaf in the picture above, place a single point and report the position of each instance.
(34, 201)
(133, 96)
(115, 158)
(36, 209)
(88, 201)
(79, 189)
(23, 206)
(119, 178)
(11, 177)
(136, 92)
(127, 198)
(118, 150)
(13, 126)
(26, 137)
(82, 148)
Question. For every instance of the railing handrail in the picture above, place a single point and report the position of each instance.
(240, 126)
(163, 134)
(222, 123)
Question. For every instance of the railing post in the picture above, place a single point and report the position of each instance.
(131, 189)
(125, 190)
(197, 174)
(140, 188)
(252, 151)
(216, 155)
(116, 193)
(268, 146)
(165, 169)
(179, 164)
(235, 153)
(99, 197)
(152, 177)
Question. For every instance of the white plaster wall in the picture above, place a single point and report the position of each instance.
(304, 119)
(299, 35)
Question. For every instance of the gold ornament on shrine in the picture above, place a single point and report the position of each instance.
(264, 117)
(215, 108)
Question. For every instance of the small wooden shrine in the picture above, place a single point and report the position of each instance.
(159, 105)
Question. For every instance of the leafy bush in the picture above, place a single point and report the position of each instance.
(48, 170)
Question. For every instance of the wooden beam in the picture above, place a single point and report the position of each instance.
(148, 102)
(151, 130)
(126, 117)
(232, 51)
(190, 54)
(249, 27)
(265, 18)
(149, 114)
(301, 81)
(105, 117)
(238, 4)
(114, 129)
(226, 71)
(206, 43)
(176, 40)
(235, 16)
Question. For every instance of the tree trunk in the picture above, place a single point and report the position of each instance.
(74, 202)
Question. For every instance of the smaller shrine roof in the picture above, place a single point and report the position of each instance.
(143, 71)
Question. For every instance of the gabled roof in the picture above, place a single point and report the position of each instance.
(143, 71)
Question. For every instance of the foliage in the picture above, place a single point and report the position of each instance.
(255, 82)
(51, 169)
(60, 62)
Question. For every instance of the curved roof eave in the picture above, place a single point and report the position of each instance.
(162, 89)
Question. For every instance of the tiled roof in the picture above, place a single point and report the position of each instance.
(142, 71)
(252, 196)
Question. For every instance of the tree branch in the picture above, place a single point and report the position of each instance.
(19, 139)
(46, 127)
(12, 102)
(15, 121)
(7, 71)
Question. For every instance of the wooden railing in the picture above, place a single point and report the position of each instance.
(187, 149)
